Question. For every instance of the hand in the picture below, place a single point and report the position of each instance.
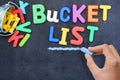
(111, 69)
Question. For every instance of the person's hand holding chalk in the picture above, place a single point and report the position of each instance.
(111, 69)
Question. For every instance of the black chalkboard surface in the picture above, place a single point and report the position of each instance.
(35, 62)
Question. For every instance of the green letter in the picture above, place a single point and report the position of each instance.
(92, 32)
(38, 13)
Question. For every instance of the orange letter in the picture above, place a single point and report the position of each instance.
(92, 13)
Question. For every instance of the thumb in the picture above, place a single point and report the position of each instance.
(91, 64)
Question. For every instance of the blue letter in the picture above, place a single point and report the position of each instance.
(51, 38)
(62, 14)
(23, 5)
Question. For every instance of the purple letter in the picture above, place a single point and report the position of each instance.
(77, 13)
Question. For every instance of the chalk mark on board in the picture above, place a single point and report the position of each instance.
(64, 48)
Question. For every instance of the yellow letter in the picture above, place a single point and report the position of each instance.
(105, 10)
(64, 35)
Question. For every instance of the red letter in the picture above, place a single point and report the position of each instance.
(79, 38)
(19, 11)
(15, 38)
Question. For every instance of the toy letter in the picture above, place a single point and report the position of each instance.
(92, 13)
(23, 6)
(38, 14)
(92, 32)
(77, 13)
(79, 38)
(105, 11)
(51, 38)
(64, 35)
(15, 38)
(54, 18)
(62, 14)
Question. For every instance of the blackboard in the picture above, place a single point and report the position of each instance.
(35, 62)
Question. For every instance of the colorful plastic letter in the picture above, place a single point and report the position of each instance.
(15, 38)
(19, 12)
(38, 13)
(77, 13)
(78, 37)
(92, 13)
(10, 22)
(62, 14)
(92, 32)
(64, 35)
(105, 9)
(24, 40)
(22, 27)
(23, 6)
(14, 24)
(54, 16)
(51, 34)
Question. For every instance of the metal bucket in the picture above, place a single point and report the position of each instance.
(3, 9)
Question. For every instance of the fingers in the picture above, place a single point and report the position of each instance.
(91, 64)
(114, 51)
(112, 59)
(103, 49)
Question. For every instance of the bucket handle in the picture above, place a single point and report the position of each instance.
(12, 3)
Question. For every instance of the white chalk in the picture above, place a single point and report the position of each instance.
(85, 50)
